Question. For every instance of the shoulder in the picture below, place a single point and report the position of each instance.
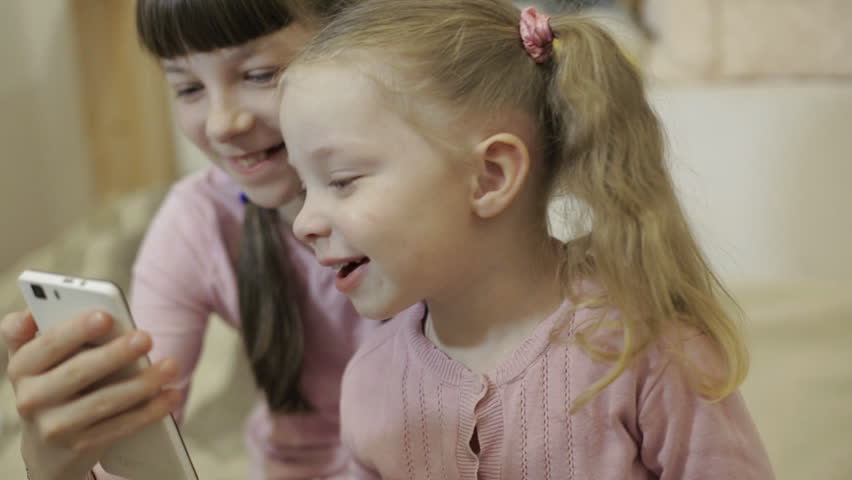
(675, 342)
(680, 359)
(371, 384)
(209, 191)
(669, 370)
(676, 420)
(193, 232)
(383, 342)
(672, 362)
(381, 351)
(199, 210)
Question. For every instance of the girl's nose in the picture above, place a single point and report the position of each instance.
(225, 122)
(309, 225)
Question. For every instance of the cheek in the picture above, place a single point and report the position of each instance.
(192, 123)
(377, 227)
(370, 222)
(265, 106)
(391, 207)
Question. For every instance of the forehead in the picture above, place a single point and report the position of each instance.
(345, 84)
(331, 97)
(339, 109)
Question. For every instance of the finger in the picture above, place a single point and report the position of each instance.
(106, 402)
(17, 329)
(57, 344)
(108, 431)
(70, 377)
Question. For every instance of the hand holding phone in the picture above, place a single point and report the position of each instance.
(27, 356)
(155, 451)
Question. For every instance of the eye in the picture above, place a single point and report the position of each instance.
(341, 183)
(188, 90)
(262, 77)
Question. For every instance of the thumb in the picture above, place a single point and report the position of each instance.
(17, 329)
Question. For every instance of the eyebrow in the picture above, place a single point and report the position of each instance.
(323, 153)
(172, 68)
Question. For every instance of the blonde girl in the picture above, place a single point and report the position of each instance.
(432, 136)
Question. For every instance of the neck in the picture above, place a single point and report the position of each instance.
(496, 306)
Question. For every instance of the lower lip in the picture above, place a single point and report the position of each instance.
(350, 282)
(258, 167)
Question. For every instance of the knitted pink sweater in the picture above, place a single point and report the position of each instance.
(410, 412)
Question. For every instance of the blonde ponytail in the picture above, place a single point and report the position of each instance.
(639, 246)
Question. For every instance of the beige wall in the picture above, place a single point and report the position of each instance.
(45, 173)
(765, 173)
(84, 116)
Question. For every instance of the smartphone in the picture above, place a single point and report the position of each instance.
(154, 453)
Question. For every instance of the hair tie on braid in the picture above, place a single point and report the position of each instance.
(536, 34)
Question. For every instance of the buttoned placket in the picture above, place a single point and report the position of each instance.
(474, 390)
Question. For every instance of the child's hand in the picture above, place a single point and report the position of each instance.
(65, 427)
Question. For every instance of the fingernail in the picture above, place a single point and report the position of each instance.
(138, 340)
(97, 320)
(168, 366)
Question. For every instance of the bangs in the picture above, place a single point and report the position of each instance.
(174, 28)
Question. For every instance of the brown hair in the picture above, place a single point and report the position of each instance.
(603, 148)
(272, 329)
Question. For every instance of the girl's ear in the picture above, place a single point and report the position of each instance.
(501, 165)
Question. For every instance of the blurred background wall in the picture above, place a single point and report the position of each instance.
(83, 116)
(44, 167)
(764, 172)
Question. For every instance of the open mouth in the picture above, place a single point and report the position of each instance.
(248, 162)
(273, 150)
(350, 267)
(351, 274)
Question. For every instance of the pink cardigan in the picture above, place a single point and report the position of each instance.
(409, 412)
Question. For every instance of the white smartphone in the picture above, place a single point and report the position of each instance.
(154, 453)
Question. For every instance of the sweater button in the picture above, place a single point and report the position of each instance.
(483, 384)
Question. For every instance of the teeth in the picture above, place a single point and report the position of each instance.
(252, 160)
(339, 266)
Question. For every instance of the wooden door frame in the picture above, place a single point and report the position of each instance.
(128, 124)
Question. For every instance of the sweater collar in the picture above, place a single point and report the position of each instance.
(433, 360)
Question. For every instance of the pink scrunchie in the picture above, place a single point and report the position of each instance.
(536, 34)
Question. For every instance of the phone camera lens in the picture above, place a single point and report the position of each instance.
(38, 291)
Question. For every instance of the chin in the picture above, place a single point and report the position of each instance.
(374, 309)
(271, 198)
